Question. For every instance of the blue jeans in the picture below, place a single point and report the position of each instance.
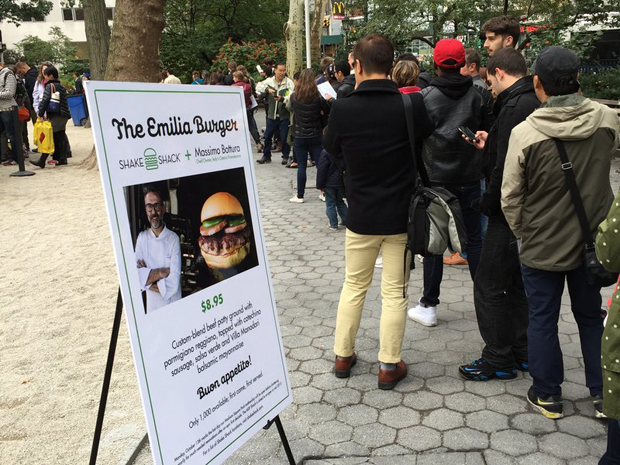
(281, 126)
(334, 200)
(303, 147)
(544, 295)
(612, 456)
(6, 126)
(433, 265)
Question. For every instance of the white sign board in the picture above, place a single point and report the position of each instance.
(180, 190)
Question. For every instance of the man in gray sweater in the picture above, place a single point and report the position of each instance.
(8, 85)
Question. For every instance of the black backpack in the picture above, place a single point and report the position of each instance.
(435, 220)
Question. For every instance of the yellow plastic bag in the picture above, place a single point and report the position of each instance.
(44, 136)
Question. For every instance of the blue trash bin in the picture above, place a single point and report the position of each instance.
(77, 109)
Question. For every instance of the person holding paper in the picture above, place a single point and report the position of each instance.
(158, 256)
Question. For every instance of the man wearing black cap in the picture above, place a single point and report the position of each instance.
(452, 102)
(540, 211)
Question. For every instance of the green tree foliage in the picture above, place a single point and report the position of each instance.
(548, 21)
(196, 29)
(58, 49)
(248, 54)
(604, 84)
(16, 12)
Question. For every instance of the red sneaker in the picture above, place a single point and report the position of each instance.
(455, 259)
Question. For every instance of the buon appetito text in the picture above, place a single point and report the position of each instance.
(173, 126)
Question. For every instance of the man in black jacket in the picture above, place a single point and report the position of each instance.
(499, 296)
(452, 103)
(369, 129)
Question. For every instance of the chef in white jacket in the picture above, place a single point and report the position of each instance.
(158, 256)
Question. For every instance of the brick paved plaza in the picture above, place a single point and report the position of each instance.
(433, 416)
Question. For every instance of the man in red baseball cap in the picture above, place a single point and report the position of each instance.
(452, 102)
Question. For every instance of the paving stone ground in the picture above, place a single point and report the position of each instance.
(433, 416)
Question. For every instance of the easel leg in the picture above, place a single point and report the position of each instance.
(283, 438)
(106, 379)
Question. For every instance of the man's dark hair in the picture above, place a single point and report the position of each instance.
(170, 71)
(343, 67)
(279, 63)
(564, 85)
(509, 61)
(325, 62)
(472, 56)
(51, 71)
(453, 71)
(504, 26)
(375, 53)
(151, 189)
(407, 57)
(268, 61)
(296, 75)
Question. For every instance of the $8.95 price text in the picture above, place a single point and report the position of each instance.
(209, 304)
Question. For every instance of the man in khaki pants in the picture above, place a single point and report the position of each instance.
(368, 129)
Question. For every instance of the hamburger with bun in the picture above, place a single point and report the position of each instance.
(224, 235)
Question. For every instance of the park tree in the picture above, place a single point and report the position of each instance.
(58, 49)
(294, 33)
(134, 51)
(316, 28)
(97, 36)
(15, 12)
(196, 29)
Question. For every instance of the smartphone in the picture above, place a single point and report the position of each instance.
(258, 67)
(467, 133)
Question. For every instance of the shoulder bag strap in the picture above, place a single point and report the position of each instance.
(567, 167)
(418, 163)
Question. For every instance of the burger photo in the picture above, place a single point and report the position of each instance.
(224, 235)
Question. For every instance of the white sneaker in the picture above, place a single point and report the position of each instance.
(426, 316)
(322, 196)
(379, 262)
(296, 200)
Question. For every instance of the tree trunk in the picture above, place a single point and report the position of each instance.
(134, 46)
(316, 27)
(293, 31)
(97, 36)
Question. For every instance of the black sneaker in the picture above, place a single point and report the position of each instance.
(284, 160)
(523, 366)
(263, 159)
(550, 406)
(481, 370)
(598, 407)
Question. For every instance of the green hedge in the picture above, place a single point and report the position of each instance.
(602, 85)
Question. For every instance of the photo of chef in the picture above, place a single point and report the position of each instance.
(190, 233)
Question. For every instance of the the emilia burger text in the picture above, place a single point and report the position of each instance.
(173, 126)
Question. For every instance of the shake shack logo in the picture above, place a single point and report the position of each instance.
(150, 160)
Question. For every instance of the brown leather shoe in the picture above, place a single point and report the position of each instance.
(343, 365)
(388, 379)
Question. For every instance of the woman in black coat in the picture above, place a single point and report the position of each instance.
(58, 117)
(310, 110)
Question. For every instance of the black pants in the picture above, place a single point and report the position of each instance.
(60, 146)
(499, 298)
(433, 264)
(612, 456)
(544, 297)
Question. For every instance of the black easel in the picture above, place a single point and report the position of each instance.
(287, 448)
(106, 387)
(19, 148)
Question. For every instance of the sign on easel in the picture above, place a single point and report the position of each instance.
(181, 196)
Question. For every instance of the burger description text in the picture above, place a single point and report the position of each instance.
(212, 342)
(219, 432)
(174, 126)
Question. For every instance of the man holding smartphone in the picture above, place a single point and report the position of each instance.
(277, 90)
(452, 101)
(499, 296)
